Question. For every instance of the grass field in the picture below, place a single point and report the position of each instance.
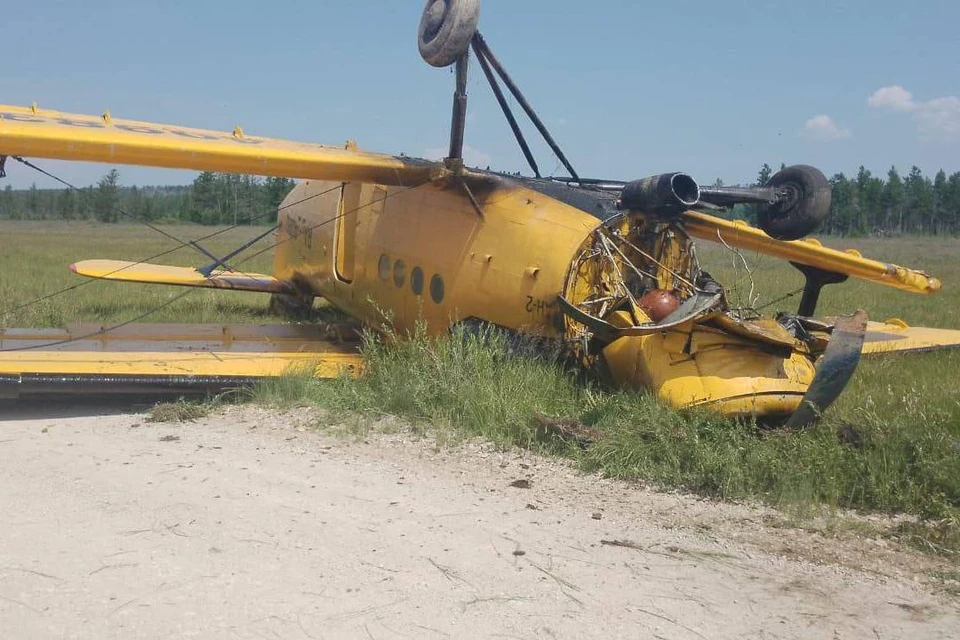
(35, 258)
(899, 419)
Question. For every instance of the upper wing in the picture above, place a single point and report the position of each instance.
(144, 358)
(809, 252)
(182, 276)
(50, 134)
(894, 336)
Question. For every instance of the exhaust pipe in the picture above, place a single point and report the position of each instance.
(665, 196)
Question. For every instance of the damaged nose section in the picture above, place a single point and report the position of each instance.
(704, 368)
(737, 376)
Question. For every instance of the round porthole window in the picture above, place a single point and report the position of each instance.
(416, 280)
(399, 273)
(436, 289)
(383, 267)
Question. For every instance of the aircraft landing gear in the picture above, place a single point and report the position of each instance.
(803, 201)
(446, 29)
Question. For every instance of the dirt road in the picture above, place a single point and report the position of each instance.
(245, 525)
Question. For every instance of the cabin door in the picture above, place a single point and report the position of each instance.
(347, 219)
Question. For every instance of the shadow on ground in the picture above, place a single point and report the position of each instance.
(46, 408)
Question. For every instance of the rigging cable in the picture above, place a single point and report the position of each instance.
(103, 332)
(162, 254)
(145, 223)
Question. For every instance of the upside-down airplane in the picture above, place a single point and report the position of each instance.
(606, 268)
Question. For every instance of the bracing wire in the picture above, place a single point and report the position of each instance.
(186, 293)
(180, 245)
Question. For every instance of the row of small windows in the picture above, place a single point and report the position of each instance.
(398, 272)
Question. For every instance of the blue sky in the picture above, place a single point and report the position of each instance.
(628, 88)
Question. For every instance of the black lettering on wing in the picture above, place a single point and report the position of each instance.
(19, 117)
(83, 124)
(135, 129)
(192, 135)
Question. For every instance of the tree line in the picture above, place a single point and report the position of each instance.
(863, 204)
(212, 199)
(866, 204)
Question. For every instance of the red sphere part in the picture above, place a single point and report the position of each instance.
(658, 304)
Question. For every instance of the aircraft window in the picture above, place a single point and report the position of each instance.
(416, 280)
(399, 273)
(436, 289)
(383, 267)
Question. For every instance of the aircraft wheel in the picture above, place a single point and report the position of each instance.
(805, 202)
(446, 29)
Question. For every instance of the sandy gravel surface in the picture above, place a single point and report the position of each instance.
(246, 525)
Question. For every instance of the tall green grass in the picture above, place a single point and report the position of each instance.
(35, 256)
(891, 443)
(475, 383)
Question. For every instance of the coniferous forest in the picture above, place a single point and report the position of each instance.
(863, 203)
(213, 199)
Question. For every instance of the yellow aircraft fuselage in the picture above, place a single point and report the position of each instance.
(429, 254)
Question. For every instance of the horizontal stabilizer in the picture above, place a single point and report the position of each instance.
(40, 133)
(147, 273)
(895, 336)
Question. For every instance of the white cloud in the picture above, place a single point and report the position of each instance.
(824, 129)
(940, 117)
(895, 97)
(937, 118)
(471, 157)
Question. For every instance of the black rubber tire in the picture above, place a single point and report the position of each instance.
(803, 210)
(446, 29)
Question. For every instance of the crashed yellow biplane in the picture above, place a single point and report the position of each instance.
(606, 268)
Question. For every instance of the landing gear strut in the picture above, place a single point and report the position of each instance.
(817, 279)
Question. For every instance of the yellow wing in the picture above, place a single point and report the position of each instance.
(175, 358)
(809, 252)
(50, 134)
(895, 336)
(182, 276)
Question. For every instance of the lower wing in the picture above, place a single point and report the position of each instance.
(895, 336)
(809, 252)
(147, 273)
